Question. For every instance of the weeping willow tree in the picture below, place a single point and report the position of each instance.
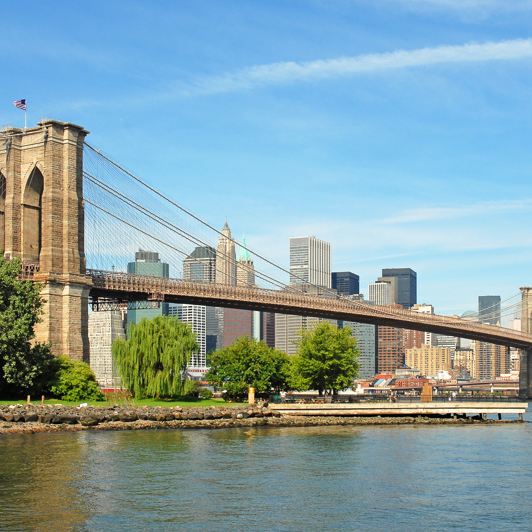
(150, 363)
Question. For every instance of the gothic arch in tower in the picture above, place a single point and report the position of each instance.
(32, 215)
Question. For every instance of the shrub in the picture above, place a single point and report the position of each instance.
(193, 388)
(206, 393)
(75, 381)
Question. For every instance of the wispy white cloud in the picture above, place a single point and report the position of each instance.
(447, 213)
(469, 5)
(290, 71)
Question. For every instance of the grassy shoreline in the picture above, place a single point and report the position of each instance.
(180, 401)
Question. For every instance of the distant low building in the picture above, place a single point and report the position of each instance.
(465, 359)
(429, 359)
(390, 347)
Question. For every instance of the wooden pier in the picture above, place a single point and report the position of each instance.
(459, 408)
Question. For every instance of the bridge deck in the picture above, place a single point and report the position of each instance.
(130, 287)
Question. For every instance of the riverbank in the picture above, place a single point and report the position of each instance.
(30, 419)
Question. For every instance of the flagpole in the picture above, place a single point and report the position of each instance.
(25, 116)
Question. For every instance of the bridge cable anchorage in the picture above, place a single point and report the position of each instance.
(162, 196)
(163, 222)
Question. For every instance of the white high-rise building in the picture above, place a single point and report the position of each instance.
(104, 328)
(310, 261)
(197, 317)
(380, 293)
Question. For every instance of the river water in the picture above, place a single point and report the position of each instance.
(295, 479)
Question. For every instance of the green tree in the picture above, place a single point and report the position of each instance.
(249, 363)
(24, 367)
(151, 362)
(326, 359)
(75, 381)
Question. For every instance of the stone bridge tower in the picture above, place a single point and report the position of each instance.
(525, 359)
(42, 222)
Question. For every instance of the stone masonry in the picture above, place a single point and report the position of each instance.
(42, 221)
(525, 356)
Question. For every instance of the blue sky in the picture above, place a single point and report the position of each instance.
(397, 130)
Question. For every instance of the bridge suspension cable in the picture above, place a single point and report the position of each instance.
(102, 195)
(124, 214)
(189, 213)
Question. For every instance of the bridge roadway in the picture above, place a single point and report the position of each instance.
(130, 287)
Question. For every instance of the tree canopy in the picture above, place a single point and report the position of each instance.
(23, 367)
(326, 359)
(249, 363)
(151, 361)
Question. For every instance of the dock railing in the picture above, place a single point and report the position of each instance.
(384, 398)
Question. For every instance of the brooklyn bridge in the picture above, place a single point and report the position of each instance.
(71, 214)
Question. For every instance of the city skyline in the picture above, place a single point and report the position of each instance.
(397, 132)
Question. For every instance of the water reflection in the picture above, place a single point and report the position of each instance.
(38, 479)
(317, 478)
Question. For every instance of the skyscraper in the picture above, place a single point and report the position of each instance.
(310, 261)
(200, 265)
(196, 316)
(489, 309)
(380, 293)
(346, 283)
(245, 270)
(365, 335)
(393, 282)
(491, 360)
(406, 285)
(226, 258)
(287, 326)
(148, 263)
(241, 322)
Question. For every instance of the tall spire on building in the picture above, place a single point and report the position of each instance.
(245, 270)
(226, 257)
(244, 253)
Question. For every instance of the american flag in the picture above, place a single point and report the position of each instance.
(21, 104)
